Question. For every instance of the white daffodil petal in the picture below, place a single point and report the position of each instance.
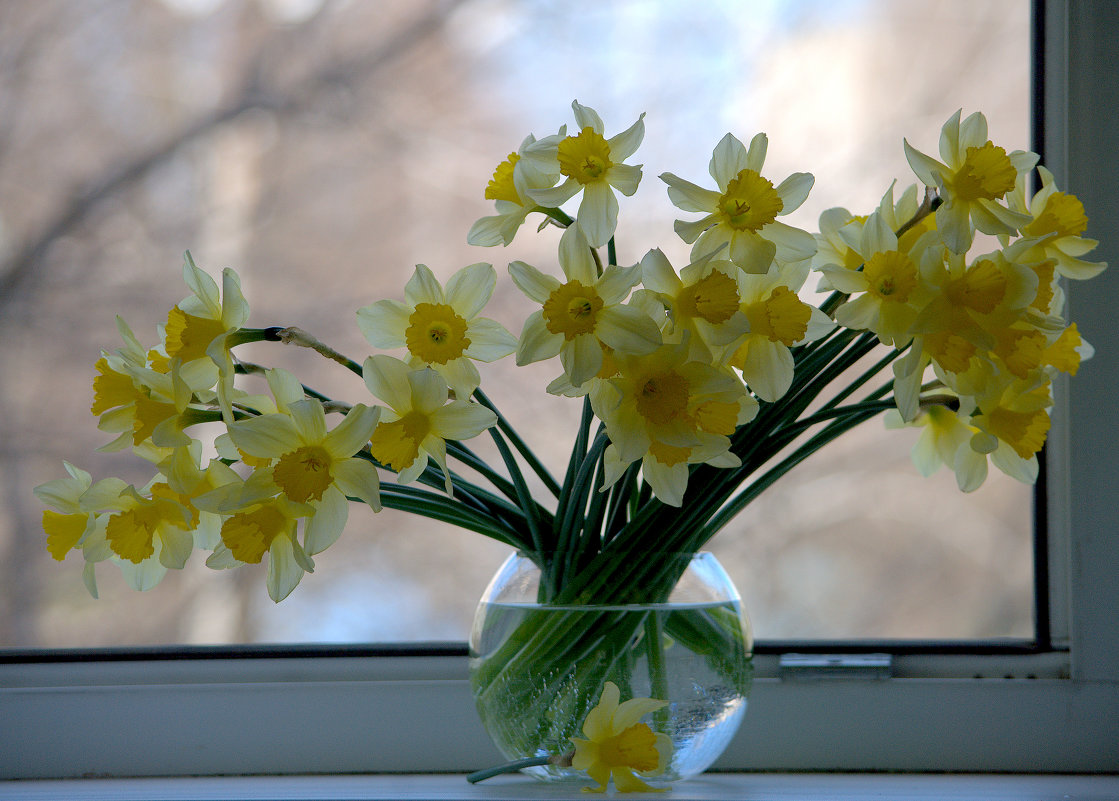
(625, 178)
(727, 160)
(668, 482)
(352, 434)
(687, 196)
(309, 419)
(625, 144)
(429, 390)
(325, 526)
(794, 190)
(357, 478)
(598, 213)
(387, 378)
(383, 323)
(423, 287)
(537, 342)
(461, 419)
(627, 329)
(284, 572)
(535, 284)
(267, 436)
(581, 358)
(470, 289)
(489, 340)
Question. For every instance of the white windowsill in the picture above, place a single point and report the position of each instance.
(723, 786)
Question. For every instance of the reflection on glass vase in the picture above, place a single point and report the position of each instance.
(538, 668)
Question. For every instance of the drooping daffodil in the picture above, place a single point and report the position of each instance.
(419, 419)
(618, 746)
(309, 464)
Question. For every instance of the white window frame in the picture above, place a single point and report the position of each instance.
(200, 713)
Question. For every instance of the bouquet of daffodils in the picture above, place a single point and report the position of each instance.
(700, 386)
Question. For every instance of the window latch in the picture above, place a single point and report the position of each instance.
(816, 667)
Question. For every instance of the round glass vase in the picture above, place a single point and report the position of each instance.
(538, 667)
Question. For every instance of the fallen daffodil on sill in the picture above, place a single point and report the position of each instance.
(700, 387)
(615, 745)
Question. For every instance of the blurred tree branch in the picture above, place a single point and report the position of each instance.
(257, 92)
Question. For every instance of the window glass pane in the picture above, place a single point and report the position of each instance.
(322, 149)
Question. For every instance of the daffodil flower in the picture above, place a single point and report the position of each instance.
(270, 528)
(202, 328)
(618, 746)
(441, 327)
(1058, 222)
(147, 531)
(419, 420)
(890, 289)
(973, 177)
(670, 412)
(743, 210)
(69, 525)
(945, 440)
(777, 320)
(511, 189)
(592, 164)
(702, 302)
(581, 315)
(310, 464)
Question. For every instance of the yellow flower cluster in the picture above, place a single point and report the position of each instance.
(714, 365)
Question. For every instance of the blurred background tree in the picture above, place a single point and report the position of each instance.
(323, 148)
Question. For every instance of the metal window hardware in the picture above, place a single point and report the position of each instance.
(815, 667)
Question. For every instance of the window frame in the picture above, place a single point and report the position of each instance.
(1049, 705)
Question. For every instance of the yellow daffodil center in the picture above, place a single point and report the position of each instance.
(1023, 431)
(951, 351)
(158, 362)
(130, 533)
(1021, 351)
(501, 186)
(585, 157)
(782, 317)
(669, 455)
(1063, 215)
(662, 397)
(633, 748)
(148, 414)
(397, 444)
(304, 474)
(163, 490)
(717, 417)
(1063, 353)
(63, 531)
(890, 276)
(986, 174)
(189, 336)
(436, 333)
(572, 309)
(713, 298)
(111, 389)
(981, 288)
(750, 202)
(248, 535)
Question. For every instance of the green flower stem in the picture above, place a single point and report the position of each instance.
(528, 505)
(436, 507)
(474, 462)
(851, 388)
(508, 767)
(523, 449)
